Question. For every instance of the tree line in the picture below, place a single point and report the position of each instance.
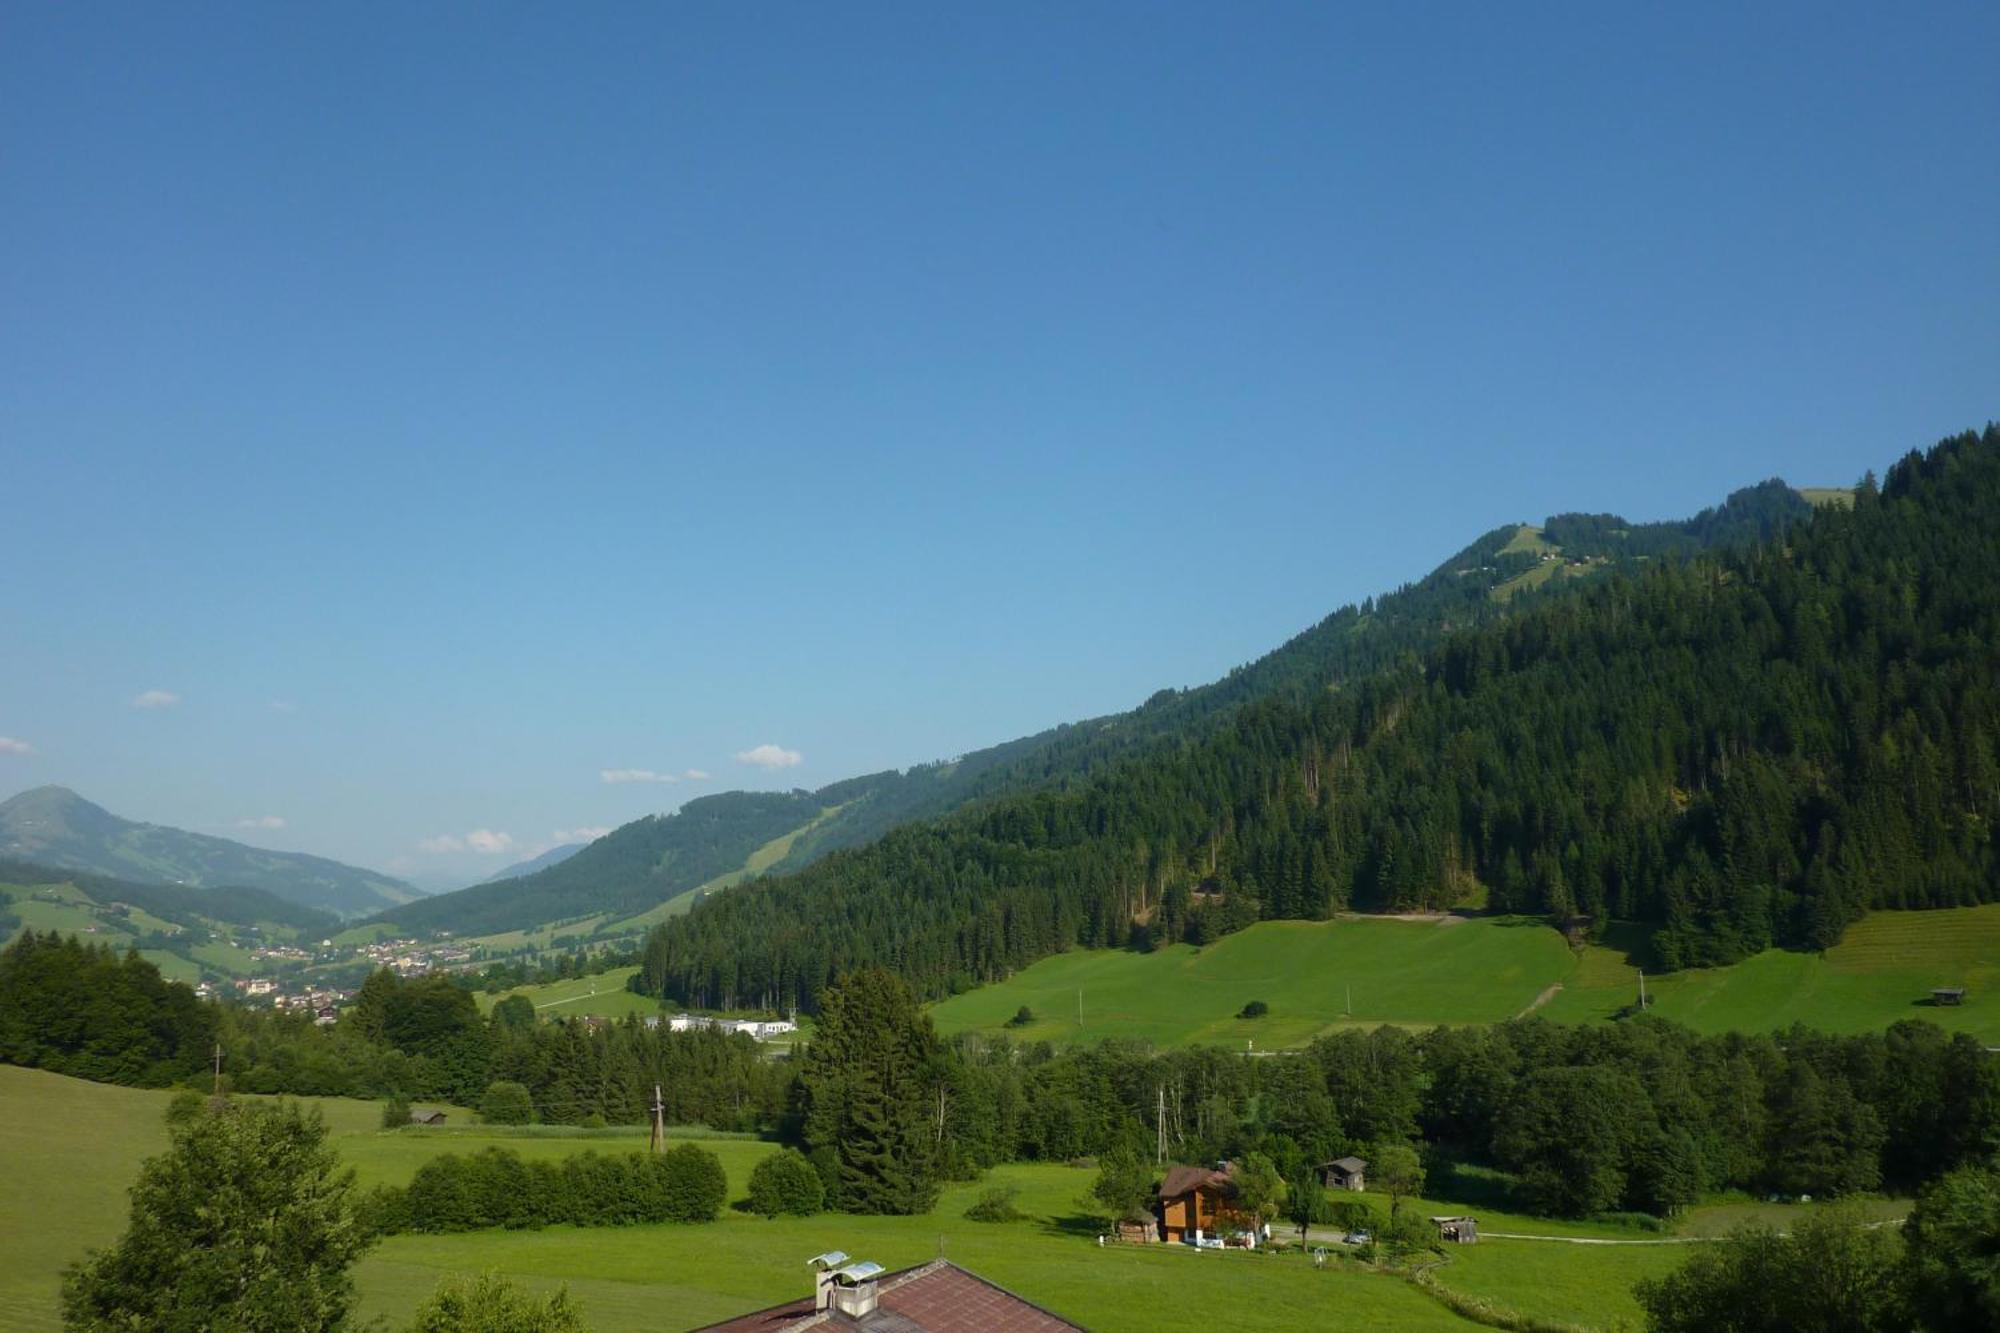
(495, 1187)
(1742, 749)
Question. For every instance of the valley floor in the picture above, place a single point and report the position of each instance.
(69, 1149)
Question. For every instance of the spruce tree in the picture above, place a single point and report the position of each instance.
(868, 1083)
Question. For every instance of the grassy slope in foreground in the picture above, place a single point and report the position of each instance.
(68, 1150)
(73, 1147)
(1487, 970)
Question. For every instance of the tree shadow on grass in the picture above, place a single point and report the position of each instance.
(1077, 1226)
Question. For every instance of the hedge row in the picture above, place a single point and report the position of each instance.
(496, 1188)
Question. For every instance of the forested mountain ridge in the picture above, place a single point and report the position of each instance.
(625, 872)
(1745, 748)
(643, 864)
(175, 904)
(54, 826)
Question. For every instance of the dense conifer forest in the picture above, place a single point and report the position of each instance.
(1743, 749)
(650, 860)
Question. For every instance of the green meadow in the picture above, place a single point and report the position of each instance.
(1882, 971)
(1317, 977)
(69, 1149)
(603, 995)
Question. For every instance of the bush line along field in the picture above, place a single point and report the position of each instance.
(1320, 976)
(69, 1149)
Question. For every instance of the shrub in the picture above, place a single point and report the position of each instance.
(695, 1184)
(996, 1205)
(396, 1111)
(186, 1105)
(1022, 1017)
(1254, 1009)
(506, 1104)
(492, 1304)
(785, 1182)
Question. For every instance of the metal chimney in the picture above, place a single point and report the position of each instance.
(823, 1266)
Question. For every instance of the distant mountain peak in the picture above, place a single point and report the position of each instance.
(55, 826)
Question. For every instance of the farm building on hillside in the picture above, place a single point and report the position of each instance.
(1948, 995)
(937, 1297)
(422, 1116)
(1457, 1230)
(1198, 1203)
(1345, 1173)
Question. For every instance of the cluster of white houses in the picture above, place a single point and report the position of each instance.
(761, 1029)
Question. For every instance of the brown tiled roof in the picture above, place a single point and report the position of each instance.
(1181, 1179)
(937, 1297)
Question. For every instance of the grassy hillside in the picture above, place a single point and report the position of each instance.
(1318, 976)
(1881, 971)
(1457, 971)
(187, 928)
(604, 995)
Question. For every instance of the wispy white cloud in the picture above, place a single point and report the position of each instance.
(262, 821)
(770, 756)
(8, 745)
(155, 699)
(282, 706)
(568, 835)
(485, 842)
(617, 775)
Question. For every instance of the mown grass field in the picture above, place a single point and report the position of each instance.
(604, 995)
(1882, 971)
(1315, 976)
(69, 1149)
(1320, 976)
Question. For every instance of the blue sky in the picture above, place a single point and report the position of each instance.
(446, 406)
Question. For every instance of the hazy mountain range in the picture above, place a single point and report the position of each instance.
(53, 826)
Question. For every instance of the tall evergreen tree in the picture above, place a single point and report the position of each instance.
(868, 1082)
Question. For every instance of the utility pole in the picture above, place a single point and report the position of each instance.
(1160, 1126)
(1642, 988)
(659, 1143)
(1350, 999)
(218, 1069)
(1079, 1006)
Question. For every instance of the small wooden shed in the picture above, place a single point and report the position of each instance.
(422, 1116)
(1457, 1230)
(1948, 995)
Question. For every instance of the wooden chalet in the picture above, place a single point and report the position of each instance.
(423, 1116)
(1344, 1173)
(1197, 1202)
(937, 1297)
